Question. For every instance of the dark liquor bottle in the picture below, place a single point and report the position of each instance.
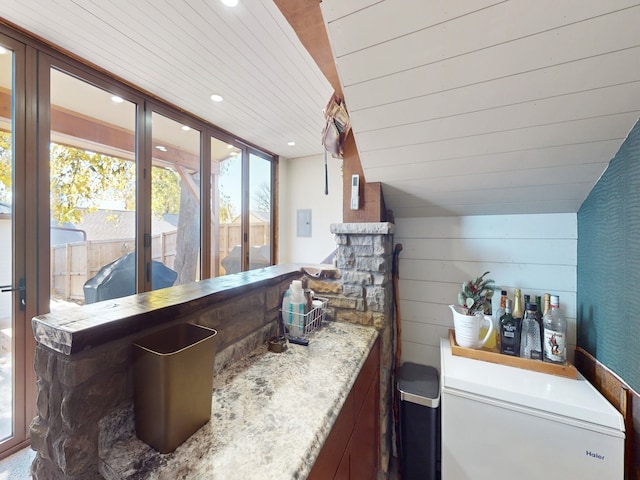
(509, 332)
(539, 316)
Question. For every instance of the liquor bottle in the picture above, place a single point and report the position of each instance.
(547, 304)
(555, 333)
(539, 319)
(509, 332)
(539, 305)
(530, 336)
(497, 314)
(517, 304)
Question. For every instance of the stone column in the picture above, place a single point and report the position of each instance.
(73, 394)
(365, 259)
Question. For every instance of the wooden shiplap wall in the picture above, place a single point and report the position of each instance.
(537, 253)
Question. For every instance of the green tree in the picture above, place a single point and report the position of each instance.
(81, 180)
(165, 191)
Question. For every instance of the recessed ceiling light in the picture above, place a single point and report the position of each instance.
(117, 99)
(162, 148)
(233, 154)
(230, 3)
(229, 146)
(186, 128)
(291, 144)
(216, 98)
(3, 50)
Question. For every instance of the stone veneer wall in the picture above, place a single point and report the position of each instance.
(364, 295)
(75, 391)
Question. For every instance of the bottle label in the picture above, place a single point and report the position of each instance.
(509, 341)
(554, 345)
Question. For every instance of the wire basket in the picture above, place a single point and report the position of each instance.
(301, 324)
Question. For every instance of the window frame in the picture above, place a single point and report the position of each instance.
(49, 57)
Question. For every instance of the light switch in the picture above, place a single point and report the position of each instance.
(304, 223)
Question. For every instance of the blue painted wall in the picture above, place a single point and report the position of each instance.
(608, 298)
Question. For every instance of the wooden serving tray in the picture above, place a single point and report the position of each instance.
(489, 355)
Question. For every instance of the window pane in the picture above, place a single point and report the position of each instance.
(7, 360)
(92, 193)
(226, 193)
(175, 203)
(259, 212)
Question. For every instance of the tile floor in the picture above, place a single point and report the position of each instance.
(17, 466)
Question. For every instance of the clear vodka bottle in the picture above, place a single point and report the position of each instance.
(531, 334)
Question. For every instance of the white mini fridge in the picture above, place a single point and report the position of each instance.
(506, 423)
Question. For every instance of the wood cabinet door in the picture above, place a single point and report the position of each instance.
(363, 449)
(333, 449)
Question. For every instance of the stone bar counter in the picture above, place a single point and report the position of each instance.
(83, 359)
(270, 417)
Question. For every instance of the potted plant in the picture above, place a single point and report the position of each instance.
(468, 316)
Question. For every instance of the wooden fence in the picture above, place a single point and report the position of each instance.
(73, 264)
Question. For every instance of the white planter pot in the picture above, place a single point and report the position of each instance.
(467, 328)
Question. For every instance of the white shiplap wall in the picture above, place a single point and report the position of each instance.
(537, 253)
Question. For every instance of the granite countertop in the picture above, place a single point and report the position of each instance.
(271, 413)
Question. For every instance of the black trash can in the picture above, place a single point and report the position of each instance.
(419, 393)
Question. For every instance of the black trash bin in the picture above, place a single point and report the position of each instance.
(419, 393)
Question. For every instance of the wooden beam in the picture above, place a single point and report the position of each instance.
(306, 20)
(75, 127)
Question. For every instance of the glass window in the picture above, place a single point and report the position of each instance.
(92, 169)
(242, 204)
(175, 203)
(226, 198)
(260, 199)
(7, 320)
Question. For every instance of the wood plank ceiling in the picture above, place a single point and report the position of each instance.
(458, 108)
(484, 106)
(184, 51)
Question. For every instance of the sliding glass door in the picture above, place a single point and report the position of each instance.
(175, 202)
(101, 186)
(260, 211)
(92, 190)
(242, 208)
(13, 280)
